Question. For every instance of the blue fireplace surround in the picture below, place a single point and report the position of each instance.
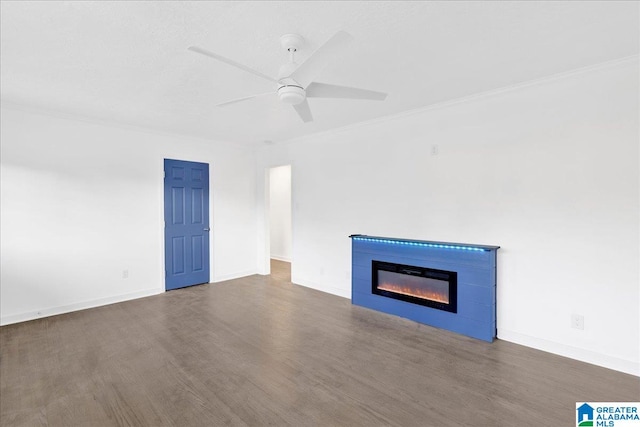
(476, 270)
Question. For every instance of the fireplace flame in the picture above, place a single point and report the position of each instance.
(418, 293)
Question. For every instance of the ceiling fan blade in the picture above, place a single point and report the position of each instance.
(245, 98)
(315, 63)
(230, 62)
(304, 111)
(324, 90)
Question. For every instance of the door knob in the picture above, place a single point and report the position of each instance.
(206, 229)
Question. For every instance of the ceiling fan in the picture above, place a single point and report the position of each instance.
(295, 83)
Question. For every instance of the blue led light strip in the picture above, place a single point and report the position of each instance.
(421, 244)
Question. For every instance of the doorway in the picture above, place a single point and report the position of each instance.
(186, 223)
(280, 218)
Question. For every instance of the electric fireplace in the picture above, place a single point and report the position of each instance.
(446, 285)
(418, 285)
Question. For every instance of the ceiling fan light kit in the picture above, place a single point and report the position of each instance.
(296, 82)
(291, 94)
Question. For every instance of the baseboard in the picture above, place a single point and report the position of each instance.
(225, 277)
(281, 258)
(328, 289)
(588, 356)
(53, 311)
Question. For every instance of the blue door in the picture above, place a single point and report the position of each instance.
(186, 223)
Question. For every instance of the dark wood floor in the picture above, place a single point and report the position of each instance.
(262, 351)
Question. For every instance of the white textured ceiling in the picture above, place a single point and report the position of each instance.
(128, 61)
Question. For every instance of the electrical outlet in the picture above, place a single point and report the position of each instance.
(125, 274)
(577, 321)
(434, 150)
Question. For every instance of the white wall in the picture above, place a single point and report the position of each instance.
(82, 201)
(548, 171)
(280, 212)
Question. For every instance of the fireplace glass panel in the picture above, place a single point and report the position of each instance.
(417, 285)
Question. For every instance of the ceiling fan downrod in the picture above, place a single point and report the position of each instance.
(289, 91)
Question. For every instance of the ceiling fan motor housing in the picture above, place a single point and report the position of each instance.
(291, 94)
